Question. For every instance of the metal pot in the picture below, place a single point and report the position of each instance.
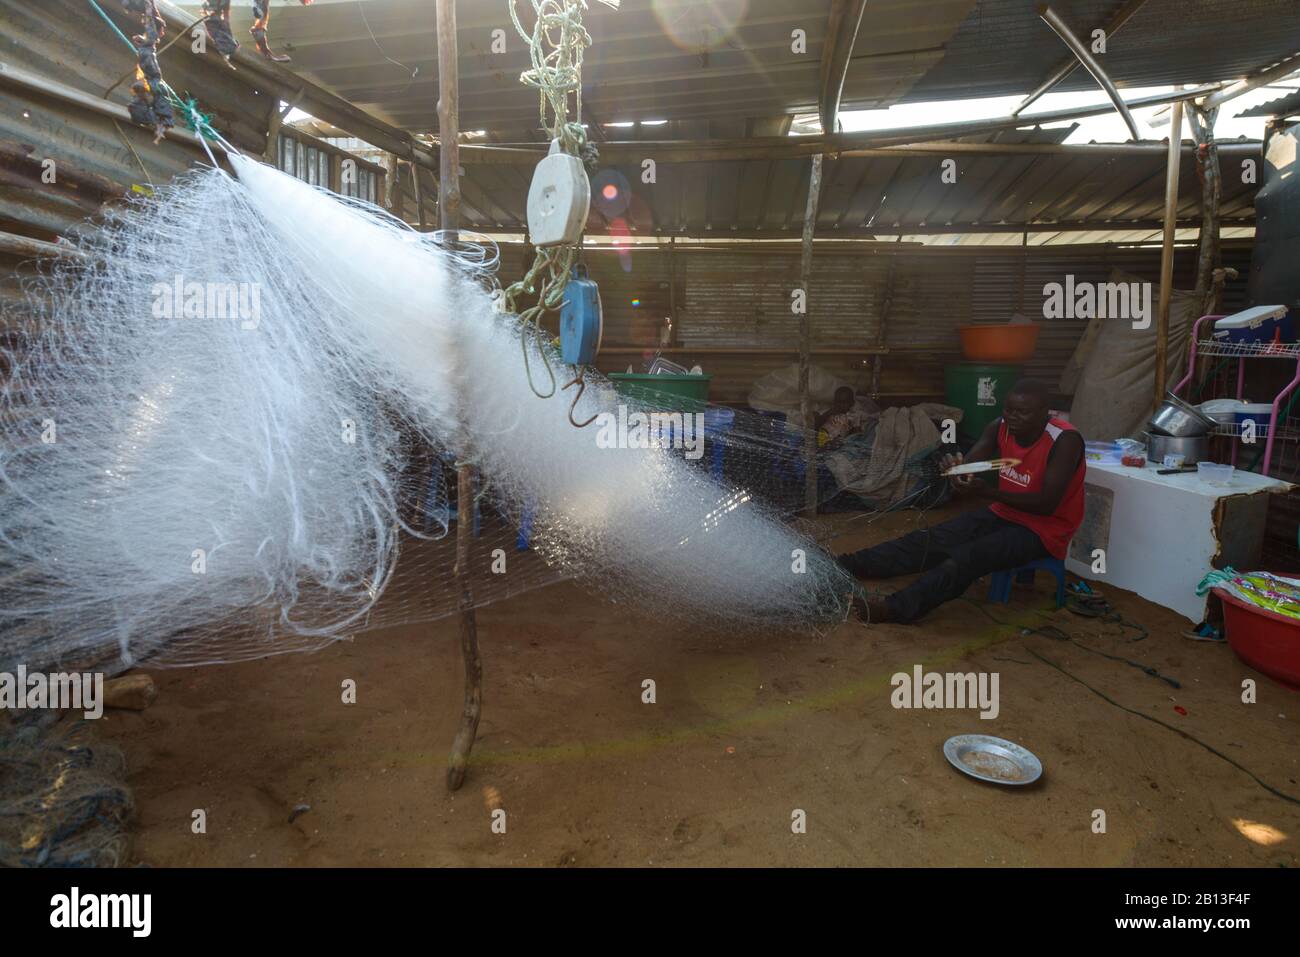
(1175, 417)
(1192, 448)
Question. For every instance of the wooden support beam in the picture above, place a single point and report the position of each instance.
(1167, 252)
(805, 338)
(743, 351)
(1207, 163)
(448, 126)
(274, 121)
(793, 147)
(13, 245)
(391, 196)
(1255, 81)
(419, 196)
(827, 233)
(449, 219)
(837, 51)
(282, 83)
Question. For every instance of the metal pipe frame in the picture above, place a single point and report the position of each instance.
(1066, 67)
(1053, 20)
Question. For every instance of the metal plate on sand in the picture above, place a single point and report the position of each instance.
(991, 759)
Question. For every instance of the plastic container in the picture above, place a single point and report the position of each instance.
(1102, 453)
(1222, 411)
(1259, 325)
(665, 392)
(1260, 412)
(978, 389)
(1213, 473)
(1263, 639)
(1004, 342)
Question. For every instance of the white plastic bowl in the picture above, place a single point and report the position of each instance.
(1213, 473)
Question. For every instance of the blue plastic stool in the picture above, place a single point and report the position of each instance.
(1000, 585)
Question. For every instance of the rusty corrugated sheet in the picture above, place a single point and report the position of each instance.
(678, 59)
(66, 41)
(1003, 48)
(737, 297)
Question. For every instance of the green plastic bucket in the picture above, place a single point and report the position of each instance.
(978, 389)
(664, 393)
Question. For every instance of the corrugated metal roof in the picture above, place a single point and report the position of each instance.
(1288, 105)
(66, 41)
(878, 194)
(678, 59)
(1004, 48)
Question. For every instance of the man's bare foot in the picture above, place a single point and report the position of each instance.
(870, 610)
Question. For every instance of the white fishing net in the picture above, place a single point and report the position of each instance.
(232, 433)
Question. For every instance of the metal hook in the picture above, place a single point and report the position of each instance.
(582, 387)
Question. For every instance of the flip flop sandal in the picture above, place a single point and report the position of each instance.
(1205, 632)
(1087, 606)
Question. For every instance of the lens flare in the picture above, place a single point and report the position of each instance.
(699, 25)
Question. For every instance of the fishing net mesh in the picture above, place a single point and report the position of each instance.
(231, 430)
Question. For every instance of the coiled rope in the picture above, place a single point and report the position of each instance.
(556, 45)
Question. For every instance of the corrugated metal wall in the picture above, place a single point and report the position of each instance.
(731, 304)
(95, 159)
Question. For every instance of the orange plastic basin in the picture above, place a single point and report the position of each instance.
(1008, 342)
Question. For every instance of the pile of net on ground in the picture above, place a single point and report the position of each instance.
(230, 430)
(63, 800)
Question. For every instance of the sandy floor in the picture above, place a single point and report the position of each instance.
(744, 732)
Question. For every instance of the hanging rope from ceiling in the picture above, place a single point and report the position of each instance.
(556, 46)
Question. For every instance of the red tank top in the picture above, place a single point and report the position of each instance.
(1054, 530)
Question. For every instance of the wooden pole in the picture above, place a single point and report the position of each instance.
(274, 121)
(419, 196)
(26, 246)
(392, 198)
(449, 217)
(1207, 163)
(1172, 164)
(805, 340)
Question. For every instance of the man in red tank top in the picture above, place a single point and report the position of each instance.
(1034, 512)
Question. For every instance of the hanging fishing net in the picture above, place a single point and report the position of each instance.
(230, 430)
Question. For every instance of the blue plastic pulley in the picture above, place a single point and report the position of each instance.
(580, 319)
